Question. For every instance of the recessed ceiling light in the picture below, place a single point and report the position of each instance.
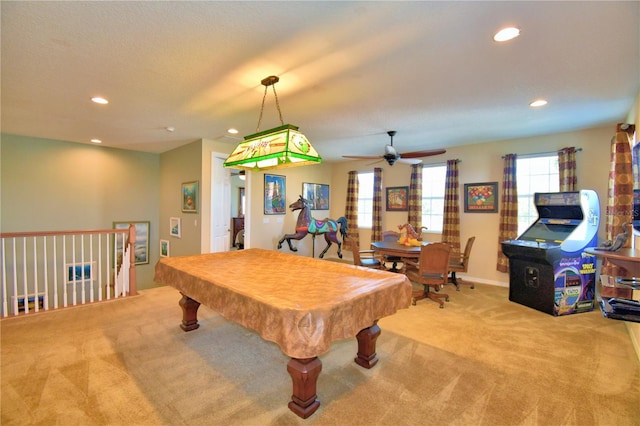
(538, 103)
(99, 100)
(232, 131)
(96, 141)
(507, 34)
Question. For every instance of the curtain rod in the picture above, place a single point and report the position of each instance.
(540, 154)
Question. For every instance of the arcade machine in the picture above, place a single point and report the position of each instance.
(548, 268)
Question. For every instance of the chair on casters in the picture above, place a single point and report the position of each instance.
(432, 271)
(365, 258)
(392, 236)
(459, 263)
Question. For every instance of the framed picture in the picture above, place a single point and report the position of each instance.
(80, 272)
(481, 197)
(141, 247)
(317, 194)
(175, 228)
(164, 248)
(275, 194)
(190, 200)
(398, 199)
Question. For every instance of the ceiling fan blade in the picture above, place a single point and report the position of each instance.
(375, 162)
(420, 154)
(362, 157)
(409, 160)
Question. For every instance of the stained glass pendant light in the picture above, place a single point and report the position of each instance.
(277, 148)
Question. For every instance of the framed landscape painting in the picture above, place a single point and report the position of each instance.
(141, 247)
(317, 194)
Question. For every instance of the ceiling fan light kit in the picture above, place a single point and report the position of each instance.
(391, 155)
(276, 148)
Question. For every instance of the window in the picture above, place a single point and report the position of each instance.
(365, 200)
(534, 174)
(433, 186)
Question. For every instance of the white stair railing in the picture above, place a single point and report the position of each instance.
(51, 270)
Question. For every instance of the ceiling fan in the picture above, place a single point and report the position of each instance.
(391, 155)
(240, 173)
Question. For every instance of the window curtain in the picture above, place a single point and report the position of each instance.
(636, 165)
(508, 209)
(415, 198)
(376, 226)
(351, 210)
(567, 167)
(620, 193)
(451, 228)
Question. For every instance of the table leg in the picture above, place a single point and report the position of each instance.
(304, 374)
(367, 356)
(189, 313)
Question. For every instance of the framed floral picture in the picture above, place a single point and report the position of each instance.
(398, 199)
(190, 198)
(481, 197)
(275, 195)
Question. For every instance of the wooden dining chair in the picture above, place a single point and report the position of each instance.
(366, 258)
(431, 271)
(459, 262)
(394, 260)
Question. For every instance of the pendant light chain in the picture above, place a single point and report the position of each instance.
(262, 107)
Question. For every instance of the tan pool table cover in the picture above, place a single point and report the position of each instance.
(300, 303)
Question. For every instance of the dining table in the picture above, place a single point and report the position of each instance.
(395, 249)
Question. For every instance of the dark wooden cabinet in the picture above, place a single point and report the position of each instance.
(237, 225)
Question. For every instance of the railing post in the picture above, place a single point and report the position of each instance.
(132, 260)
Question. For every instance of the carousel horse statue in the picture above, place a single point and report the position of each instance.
(308, 225)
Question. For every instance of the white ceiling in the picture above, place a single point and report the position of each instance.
(349, 71)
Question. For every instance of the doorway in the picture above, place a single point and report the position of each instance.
(229, 205)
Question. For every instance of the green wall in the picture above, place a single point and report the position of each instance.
(50, 185)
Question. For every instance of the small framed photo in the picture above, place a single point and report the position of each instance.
(80, 272)
(275, 196)
(141, 248)
(398, 199)
(175, 228)
(317, 194)
(481, 197)
(164, 248)
(190, 197)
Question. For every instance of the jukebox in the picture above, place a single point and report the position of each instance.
(548, 268)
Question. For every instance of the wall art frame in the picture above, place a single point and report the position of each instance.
(164, 248)
(190, 197)
(80, 272)
(481, 197)
(397, 198)
(141, 247)
(275, 194)
(317, 194)
(175, 227)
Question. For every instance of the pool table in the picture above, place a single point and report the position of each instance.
(300, 303)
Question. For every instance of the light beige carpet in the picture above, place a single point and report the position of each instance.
(480, 361)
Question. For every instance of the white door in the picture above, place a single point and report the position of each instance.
(220, 204)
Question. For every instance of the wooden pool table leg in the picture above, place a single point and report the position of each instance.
(189, 313)
(367, 356)
(304, 374)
